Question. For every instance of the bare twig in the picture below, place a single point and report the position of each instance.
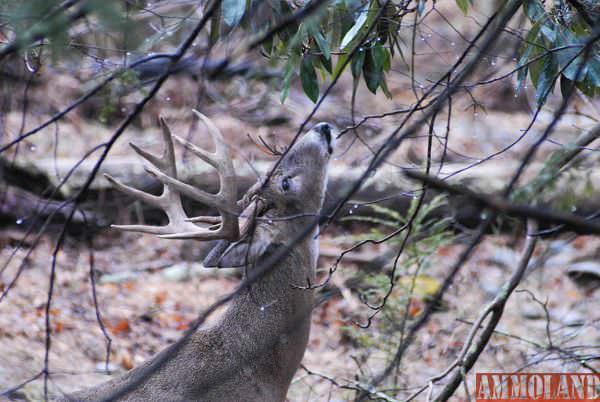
(469, 355)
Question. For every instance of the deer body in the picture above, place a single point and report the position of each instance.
(252, 352)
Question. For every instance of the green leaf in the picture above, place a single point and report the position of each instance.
(290, 67)
(308, 76)
(378, 54)
(463, 5)
(527, 50)
(365, 18)
(373, 67)
(356, 28)
(535, 69)
(569, 60)
(385, 88)
(335, 32)
(326, 63)
(387, 63)
(357, 64)
(593, 73)
(233, 11)
(566, 86)
(534, 9)
(546, 80)
(549, 31)
(322, 43)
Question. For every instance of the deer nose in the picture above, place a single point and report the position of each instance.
(325, 130)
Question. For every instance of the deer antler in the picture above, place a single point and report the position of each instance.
(164, 170)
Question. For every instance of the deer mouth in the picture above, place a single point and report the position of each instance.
(325, 129)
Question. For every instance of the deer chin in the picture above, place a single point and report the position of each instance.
(323, 136)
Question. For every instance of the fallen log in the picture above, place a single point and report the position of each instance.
(581, 187)
(577, 190)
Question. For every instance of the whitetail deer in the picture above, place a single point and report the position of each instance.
(252, 352)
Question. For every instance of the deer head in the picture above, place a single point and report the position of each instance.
(298, 183)
(294, 190)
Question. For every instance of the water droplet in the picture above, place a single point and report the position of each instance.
(19, 221)
(514, 59)
(422, 38)
(128, 53)
(168, 99)
(429, 35)
(148, 5)
(483, 215)
(421, 86)
(361, 49)
(378, 39)
(452, 44)
(262, 308)
(194, 44)
(32, 148)
(270, 221)
(350, 212)
(355, 206)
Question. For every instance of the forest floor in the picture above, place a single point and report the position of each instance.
(147, 296)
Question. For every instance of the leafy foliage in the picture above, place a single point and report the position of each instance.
(553, 51)
(412, 285)
(343, 33)
(362, 34)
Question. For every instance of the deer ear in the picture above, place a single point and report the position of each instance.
(238, 254)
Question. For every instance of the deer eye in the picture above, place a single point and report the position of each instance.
(285, 183)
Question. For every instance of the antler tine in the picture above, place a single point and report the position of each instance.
(222, 158)
(170, 204)
(212, 200)
(199, 152)
(214, 132)
(134, 192)
(165, 162)
(155, 230)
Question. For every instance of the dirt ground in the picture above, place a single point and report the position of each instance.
(147, 301)
(149, 290)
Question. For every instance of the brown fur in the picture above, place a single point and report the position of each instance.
(253, 351)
